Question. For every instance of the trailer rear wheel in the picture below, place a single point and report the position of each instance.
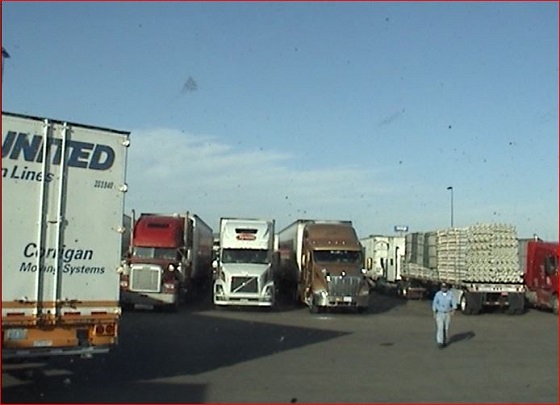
(516, 304)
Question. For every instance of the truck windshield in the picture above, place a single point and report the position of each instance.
(256, 256)
(155, 253)
(337, 256)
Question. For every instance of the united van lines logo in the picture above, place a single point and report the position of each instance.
(29, 147)
(246, 236)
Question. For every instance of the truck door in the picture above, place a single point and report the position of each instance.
(306, 275)
(549, 278)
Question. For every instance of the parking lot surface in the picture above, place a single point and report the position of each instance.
(388, 355)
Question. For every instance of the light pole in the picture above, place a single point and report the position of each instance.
(451, 189)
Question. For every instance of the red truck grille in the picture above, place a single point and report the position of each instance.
(145, 279)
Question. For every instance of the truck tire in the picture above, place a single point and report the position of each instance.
(404, 292)
(275, 306)
(398, 289)
(515, 311)
(468, 304)
(314, 308)
(172, 307)
(516, 304)
(554, 304)
(362, 310)
(402, 289)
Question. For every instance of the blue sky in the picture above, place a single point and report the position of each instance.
(361, 111)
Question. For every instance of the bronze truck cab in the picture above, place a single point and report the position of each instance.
(332, 268)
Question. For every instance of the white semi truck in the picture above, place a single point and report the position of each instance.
(63, 188)
(246, 264)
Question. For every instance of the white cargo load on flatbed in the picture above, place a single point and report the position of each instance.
(479, 263)
(481, 253)
(63, 187)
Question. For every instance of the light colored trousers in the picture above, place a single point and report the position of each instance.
(443, 320)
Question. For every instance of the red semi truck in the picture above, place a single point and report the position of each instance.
(539, 261)
(169, 255)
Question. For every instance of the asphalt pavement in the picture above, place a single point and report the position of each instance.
(388, 355)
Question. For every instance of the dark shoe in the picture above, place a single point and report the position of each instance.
(444, 345)
(440, 345)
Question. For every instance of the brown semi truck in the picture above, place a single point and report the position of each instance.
(321, 264)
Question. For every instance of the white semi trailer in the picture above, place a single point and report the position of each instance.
(63, 188)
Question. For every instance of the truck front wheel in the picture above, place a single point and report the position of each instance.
(314, 308)
(362, 310)
(468, 305)
(402, 289)
(173, 307)
(554, 304)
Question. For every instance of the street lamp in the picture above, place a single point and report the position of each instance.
(451, 189)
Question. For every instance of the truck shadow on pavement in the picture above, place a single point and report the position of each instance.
(381, 302)
(378, 303)
(156, 356)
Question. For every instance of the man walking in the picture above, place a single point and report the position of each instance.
(443, 306)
